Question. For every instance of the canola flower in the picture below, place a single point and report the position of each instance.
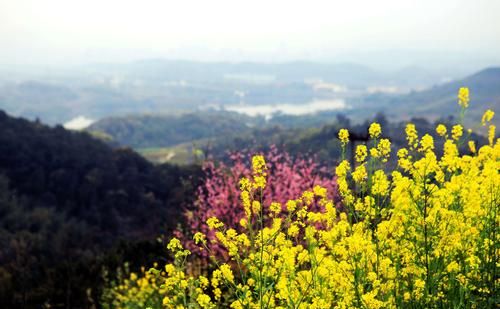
(487, 116)
(344, 136)
(375, 130)
(457, 132)
(463, 97)
(491, 134)
(423, 235)
(441, 130)
(361, 153)
(411, 135)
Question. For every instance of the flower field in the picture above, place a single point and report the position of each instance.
(421, 235)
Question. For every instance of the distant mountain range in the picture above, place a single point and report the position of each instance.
(152, 86)
(347, 73)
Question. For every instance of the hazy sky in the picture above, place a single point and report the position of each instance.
(70, 31)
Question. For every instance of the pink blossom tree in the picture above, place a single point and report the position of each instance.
(219, 194)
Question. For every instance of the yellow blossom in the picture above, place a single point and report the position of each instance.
(293, 230)
(258, 164)
(472, 146)
(256, 207)
(342, 169)
(174, 245)
(411, 135)
(426, 143)
(245, 199)
(491, 134)
(259, 182)
(441, 130)
(463, 97)
(384, 148)
(291, 205)
(487, 116)
(203, 300)
(320, 191)
(199, 238)
(227, 273)
(404, 161)
(275, 207)
(344, 136)
(375, 130)
(361, 153)
(214, 223)
(245, 184)
(457, 132)
(360, 175)
(380, 183)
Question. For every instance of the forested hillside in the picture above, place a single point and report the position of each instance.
(70, 205)
(166, 130)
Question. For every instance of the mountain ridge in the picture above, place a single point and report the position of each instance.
(441, 100)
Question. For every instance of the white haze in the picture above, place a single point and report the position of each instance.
(61, 32)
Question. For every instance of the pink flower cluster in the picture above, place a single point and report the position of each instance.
(219, 195)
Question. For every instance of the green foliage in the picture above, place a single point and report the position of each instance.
(163, 131)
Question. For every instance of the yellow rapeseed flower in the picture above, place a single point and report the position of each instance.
(411, 135)
(375, 130)
(360, 174)
(203, 300)
(245, 184)
(320, 191)
(258, 164)
(384, 148)
(374, 152)
(380, 183)
(291, 205)
(256, 207)
(227, 273)
(245, 200)
(344, 136)
(491, 134)
(441, 129)
(472, 146)
(361, 153)
(275, 207)
(426, 143)
(174, 245)
(259, 182)
(487, 116)
(214, 223)
(342, 169)
(463, 97)
(456, 132)
(199, 238)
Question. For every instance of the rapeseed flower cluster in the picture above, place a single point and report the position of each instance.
(344, 136)
(423, 235)
(133, 290)
(463, 97)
